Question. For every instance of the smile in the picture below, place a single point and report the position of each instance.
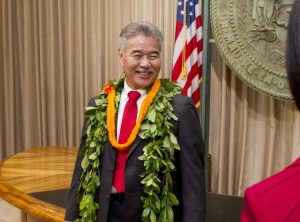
(144, 72)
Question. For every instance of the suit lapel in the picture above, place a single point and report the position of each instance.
(111, 150)
(134, 146)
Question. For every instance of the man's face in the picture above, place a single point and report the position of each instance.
(141, 61)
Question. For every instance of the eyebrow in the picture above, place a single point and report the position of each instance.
(136, 51)
(139, 51)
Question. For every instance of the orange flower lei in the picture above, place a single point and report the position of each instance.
(111, 114)
(101, 120)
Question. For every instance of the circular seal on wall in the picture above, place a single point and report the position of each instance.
(251, 37)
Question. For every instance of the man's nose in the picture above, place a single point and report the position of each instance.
(145, 62)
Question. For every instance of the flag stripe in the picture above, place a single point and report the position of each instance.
(188, 47)
(191, 59)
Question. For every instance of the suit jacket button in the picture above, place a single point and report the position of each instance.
(107, 196)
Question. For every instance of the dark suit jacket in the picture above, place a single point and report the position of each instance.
(275, 199)
(188, 178)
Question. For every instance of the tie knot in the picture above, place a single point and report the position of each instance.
(134, 96)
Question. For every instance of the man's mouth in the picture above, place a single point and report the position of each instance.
(144, 72)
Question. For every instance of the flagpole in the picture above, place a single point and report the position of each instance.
(205, 92)
(183, 69)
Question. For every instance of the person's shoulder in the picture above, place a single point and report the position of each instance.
(179, 100)
(92, 100)
(184, 106)
(281, 180)
(277, 197)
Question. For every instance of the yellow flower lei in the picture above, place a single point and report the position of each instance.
(111, 114)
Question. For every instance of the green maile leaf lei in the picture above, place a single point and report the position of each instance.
(158, 155)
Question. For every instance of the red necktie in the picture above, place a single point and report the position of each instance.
(128, 122)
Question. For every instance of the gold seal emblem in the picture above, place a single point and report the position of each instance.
(251, 37)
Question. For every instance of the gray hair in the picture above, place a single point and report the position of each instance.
(135, 28)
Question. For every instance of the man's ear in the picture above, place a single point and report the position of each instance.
(121, 56)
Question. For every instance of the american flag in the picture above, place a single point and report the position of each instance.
(187, 58)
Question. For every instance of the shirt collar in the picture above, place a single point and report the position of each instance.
(128, 89)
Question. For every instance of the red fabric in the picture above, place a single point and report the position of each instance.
(128, 122)
(275, 199)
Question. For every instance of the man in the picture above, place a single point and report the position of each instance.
(146, 161)
(277, 198)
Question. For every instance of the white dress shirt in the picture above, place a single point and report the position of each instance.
(123, 101)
